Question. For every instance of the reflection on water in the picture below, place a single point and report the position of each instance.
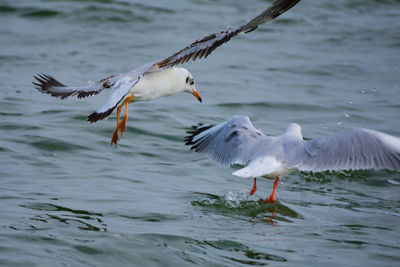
(239, 206)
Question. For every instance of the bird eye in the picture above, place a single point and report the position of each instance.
(191, 82)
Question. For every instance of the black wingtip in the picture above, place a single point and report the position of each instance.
(196, 130)
(46, 82)
(99, 116)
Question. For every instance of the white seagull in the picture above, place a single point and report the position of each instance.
(237, 142)
(155, 79)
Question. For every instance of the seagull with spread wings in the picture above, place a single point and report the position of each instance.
(237, 142)
(155, 79)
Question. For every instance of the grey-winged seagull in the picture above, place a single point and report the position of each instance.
(155, 79)
(237, 142)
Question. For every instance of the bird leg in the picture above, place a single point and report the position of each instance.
(254, 189)
(115, 137)
(122, 125)
(271, 197)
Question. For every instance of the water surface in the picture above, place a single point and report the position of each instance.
(70, 198)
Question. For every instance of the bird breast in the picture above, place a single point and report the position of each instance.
(265, 166)
(157, 84)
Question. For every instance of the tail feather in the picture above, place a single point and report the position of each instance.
(243, 172)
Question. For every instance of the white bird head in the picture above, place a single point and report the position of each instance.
(189, 84)
(294, 130)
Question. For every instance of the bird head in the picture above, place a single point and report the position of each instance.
(190, 86)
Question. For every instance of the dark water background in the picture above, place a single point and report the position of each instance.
(68, 198)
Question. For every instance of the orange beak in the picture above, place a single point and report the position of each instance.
(197, 95)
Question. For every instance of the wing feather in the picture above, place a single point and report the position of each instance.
(118, 93)
(120, 90)
(205, 46)
(352, 149)
(47, 84)
(227, 143)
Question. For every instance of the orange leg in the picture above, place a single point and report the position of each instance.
(122, 126)
(271, 197)
(254, 189)
(115, 137)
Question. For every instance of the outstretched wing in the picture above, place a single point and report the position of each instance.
(49, 85)
(230, 142)
(205, 46)
(352, 149)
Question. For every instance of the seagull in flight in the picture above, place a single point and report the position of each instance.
(155, 79)
(237, 142)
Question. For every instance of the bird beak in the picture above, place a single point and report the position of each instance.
(197, 95)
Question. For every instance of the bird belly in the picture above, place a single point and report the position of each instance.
(280, 172)
(154, 85)
(267, 167)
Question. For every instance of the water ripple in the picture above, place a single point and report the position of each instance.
(41, 13)
(196, 251)
(84, 220)
(52, 144)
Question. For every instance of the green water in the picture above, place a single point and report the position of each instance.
(69, 198)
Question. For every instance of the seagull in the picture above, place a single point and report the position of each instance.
(155, 79)
(237, 142)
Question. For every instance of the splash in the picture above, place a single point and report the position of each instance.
(230, 200)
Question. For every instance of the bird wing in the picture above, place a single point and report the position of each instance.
(205, 46)
(231, 142)
(120, 89)
(352, 149)
(49, 85)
